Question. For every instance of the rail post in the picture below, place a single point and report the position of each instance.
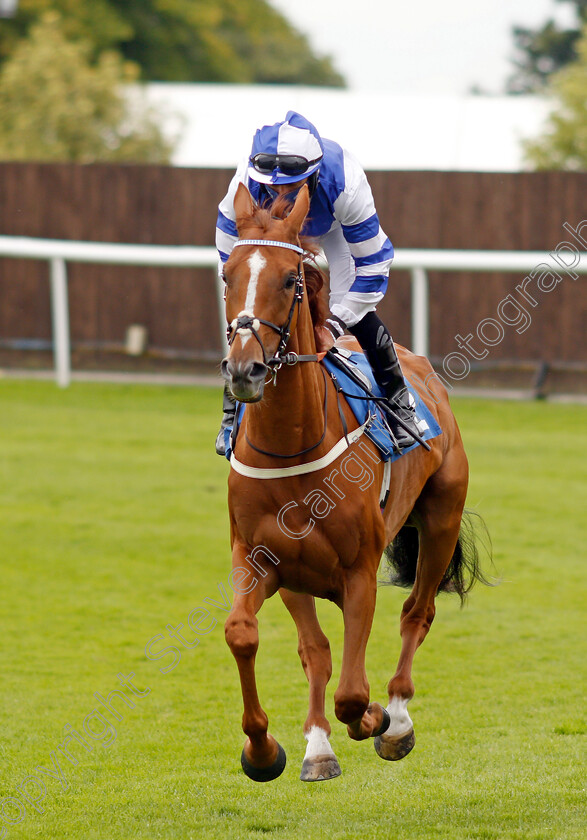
(60, 321)
(420, 317)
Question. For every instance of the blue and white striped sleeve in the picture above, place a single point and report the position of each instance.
(370, 247)
(226, 232)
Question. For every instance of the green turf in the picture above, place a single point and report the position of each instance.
(113, 525)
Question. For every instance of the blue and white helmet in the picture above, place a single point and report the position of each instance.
(285, 152)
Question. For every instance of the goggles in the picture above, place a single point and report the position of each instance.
(289, 165)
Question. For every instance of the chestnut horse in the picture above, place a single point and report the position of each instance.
(302, 523)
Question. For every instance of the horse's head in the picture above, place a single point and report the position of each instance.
(264, 288)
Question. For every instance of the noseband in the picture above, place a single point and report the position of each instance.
(247, 323)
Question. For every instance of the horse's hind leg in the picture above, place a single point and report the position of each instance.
(262, 759)
(439, 510)
(320, 762)
(416, 618)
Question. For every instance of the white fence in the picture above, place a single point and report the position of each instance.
(417, 261)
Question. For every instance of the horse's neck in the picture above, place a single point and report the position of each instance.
(290, 417)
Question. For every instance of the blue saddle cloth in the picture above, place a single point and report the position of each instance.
(377, 430)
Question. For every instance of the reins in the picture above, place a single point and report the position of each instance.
(309, 448)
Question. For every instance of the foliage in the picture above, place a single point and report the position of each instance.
(542, 52)
(114, 528)
(244, 41)
(57, 104)
(564, 144)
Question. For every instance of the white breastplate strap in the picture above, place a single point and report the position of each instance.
(301, 469)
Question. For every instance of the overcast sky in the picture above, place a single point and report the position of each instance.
(422, 46)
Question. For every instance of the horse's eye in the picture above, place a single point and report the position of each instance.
(291, 279)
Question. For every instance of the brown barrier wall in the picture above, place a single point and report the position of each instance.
(163, 205)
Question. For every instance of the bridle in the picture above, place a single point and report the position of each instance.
(247, 323)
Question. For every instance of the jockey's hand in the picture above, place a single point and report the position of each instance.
(324, 339)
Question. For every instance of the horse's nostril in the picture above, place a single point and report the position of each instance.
(258, 371)
(227, 368)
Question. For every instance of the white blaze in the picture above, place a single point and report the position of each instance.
(256, 263)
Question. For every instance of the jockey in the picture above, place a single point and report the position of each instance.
(344, 223)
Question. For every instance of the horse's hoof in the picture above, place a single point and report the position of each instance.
(392, 748)
(319, 768)
(265, 774)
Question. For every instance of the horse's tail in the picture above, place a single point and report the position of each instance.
(465, 565)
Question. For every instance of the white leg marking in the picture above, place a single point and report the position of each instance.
(401, 722)
(318, 743)
(257, 263)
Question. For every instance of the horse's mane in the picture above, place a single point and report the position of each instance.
(261, 220)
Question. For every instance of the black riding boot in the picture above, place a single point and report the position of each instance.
(229, 409)
(377, 343)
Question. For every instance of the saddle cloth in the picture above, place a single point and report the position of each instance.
(377, 430)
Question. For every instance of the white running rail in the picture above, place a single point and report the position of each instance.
(418, 261)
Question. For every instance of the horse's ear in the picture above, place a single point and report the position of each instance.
(295, 219)
(244, 206)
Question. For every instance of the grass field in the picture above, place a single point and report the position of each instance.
(113, 525)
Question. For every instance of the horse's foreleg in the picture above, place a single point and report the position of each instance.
(262, 759)
(351, 699)
(436, 550)
(320, 762)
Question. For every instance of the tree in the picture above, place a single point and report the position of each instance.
(58, 105)
(542, 52)
(244, 41)
(564, 145)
